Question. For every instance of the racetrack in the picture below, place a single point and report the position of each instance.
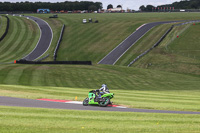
(46, 36)
(19, 102)
(121, 49)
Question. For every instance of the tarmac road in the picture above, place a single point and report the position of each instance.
(19, 102)
(116, 53)
(46, 36)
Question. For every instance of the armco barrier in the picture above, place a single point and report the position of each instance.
(155, 45)
(58, 44)
(55, 62)
(6, 31)
(43, 58)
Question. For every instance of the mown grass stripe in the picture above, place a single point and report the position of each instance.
(11, 32)
(3, 25)
(23, 42)
(19, 42)
(37, 75)
(53, 120)
(13, 36)
(159, 95)
(14, 75)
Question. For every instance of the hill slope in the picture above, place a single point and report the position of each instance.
(94, 41)
(22, 37)
(176, 54)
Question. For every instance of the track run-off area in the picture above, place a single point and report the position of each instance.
(58, 104)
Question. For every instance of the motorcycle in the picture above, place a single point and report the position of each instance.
(98, 99)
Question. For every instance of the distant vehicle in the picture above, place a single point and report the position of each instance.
(84, 21)
(43, 11)
(54, 16)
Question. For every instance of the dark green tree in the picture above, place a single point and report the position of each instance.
(109, 6)
(119, 6)
(92, 8)
(142, 8)
(149, 8)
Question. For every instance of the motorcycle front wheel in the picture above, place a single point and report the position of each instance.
(105, 102)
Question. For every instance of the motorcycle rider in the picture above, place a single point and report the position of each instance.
(103, 90)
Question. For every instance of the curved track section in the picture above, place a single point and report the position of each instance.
(19, 102)
(46, 36)
(121, 49)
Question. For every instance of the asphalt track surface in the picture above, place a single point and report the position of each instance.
(19, 102)
(46, 36)
(121, 49)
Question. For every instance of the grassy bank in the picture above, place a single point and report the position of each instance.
(94, 76)
(174, 54)
(146, 42)
(21, 39)
(3, 24)
(25, 120)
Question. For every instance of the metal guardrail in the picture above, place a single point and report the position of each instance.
(58, 44)
(42, 58)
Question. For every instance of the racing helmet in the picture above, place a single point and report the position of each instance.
(103, 85)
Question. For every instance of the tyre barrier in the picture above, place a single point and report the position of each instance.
(54, 62)
(155, 45)
(59, 41)
(6, 31)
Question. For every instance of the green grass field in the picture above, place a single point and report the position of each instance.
(21, 39)
(23, 120)
(3, 24)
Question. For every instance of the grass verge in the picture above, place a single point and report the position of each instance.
(23, 120)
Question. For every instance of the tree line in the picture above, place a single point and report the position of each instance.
(67, 5)
(184, 4)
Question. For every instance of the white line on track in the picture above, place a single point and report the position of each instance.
(50, 41)
(38, 40)
(74, 102)
(120, 45)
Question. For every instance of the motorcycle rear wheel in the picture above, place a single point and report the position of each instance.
(85, 102)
